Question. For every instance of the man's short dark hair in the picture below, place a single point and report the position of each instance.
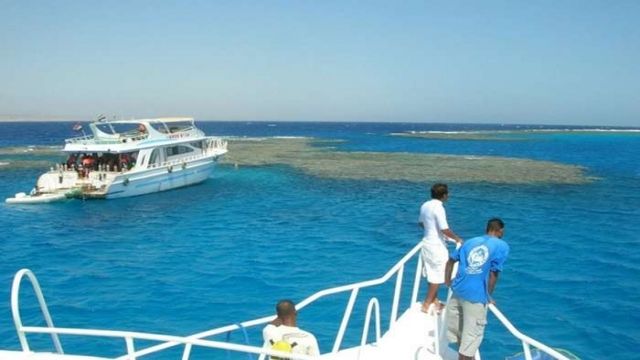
(439, 190)
(494, 224)
(285, 308)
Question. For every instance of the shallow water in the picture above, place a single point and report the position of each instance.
(224, 251)
(323, 160)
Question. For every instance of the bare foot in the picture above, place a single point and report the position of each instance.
(426, 308)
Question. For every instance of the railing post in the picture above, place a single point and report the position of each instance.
(130, 348)
(442, 328)
(15, 309)
(373, 305)
(416, 281)
(527, 350)
(187, 352)
(396, 296)
(345, 320)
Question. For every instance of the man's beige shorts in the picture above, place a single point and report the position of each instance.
(465, 323)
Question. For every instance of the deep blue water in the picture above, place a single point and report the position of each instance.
(224, 251)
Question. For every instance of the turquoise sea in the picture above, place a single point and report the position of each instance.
(225, 251)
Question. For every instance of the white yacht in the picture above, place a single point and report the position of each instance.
(406, 334)
(127, 158)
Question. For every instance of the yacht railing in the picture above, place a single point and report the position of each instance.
(374, 305)
(214, 147)
(123, 138)
(199, 339)
(527, 342)
(126, 137)
(78, 139)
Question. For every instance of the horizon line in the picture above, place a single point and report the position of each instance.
(84, 120)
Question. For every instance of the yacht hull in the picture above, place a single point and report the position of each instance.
(160, 179)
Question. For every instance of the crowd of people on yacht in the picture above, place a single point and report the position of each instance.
(85, 163)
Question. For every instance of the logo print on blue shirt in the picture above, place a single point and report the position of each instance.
(477, 257)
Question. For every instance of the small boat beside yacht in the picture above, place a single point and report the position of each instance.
(121, 158)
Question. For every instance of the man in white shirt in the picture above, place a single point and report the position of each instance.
(284, 335)
(433, 220)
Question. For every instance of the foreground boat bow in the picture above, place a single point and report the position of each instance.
(412, 335)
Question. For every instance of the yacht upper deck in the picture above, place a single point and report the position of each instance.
(128, 135)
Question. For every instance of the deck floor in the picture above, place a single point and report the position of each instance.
(412, 337)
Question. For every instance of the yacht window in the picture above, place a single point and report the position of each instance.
(179, 149)
(178, 126)
(196, 144)
(160, 127)
(172, 126)
(116, 128)
(155, 158)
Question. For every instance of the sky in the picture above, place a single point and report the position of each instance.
(525, 62)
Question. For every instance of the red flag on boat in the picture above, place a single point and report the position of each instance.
(77, 127)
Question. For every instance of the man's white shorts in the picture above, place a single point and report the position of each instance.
(434, 260)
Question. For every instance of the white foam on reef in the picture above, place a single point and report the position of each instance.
(581, 130)
(264, 138)
(454, 132)
(451, 132)
(2, 163)
(518, 131)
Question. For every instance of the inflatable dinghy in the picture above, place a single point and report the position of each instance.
(23, 198)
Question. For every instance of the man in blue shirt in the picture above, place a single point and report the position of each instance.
(480, 261)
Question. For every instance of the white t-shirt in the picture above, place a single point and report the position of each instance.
(434, 220)
(305, 342)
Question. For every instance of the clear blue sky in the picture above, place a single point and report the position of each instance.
(547, 62)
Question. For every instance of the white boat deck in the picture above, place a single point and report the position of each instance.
(411, 337)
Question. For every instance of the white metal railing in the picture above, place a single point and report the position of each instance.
(15, 309)
(213, 147)
(135, 135)
(200, 340)
(122, 138)
(441, 321)
(374, 305)
(187, 342)
(527, 342)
